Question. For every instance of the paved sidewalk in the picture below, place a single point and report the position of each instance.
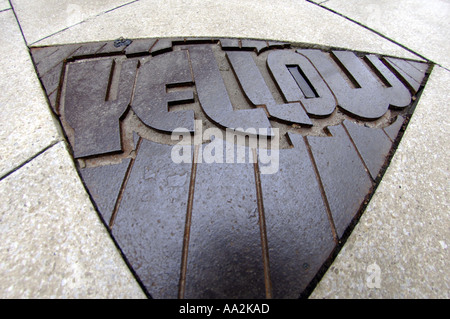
(53, 244)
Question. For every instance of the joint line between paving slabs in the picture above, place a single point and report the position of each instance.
(123, 186)
(118, 7)
(28, 160)
(262, 227)
(66, 28)
(187, 229)
(370, 29)
(18, 22)
(322, 191)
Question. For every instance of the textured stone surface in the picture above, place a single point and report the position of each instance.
(421, 26)
(181, 18)
(403, 234)
(58, 15)
(53, 242)
(26, 123)
(4, 5)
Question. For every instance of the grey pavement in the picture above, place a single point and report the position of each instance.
(54, 245)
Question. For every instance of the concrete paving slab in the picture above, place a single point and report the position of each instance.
(42, 18)
(399, 249)
(26, 123)
(4, 5)
(297, 21)
(53, 243)
(422, 26)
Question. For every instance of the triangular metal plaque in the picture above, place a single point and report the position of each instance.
(228, 168)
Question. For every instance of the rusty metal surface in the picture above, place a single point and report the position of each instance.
(373, 146)
(224, 236)
(89, 108)
(213, 96)
(299, 233)
(411, 74)
(321, 103)
(194, 221)
(140, 46)
(104, 184)
(149, 225)
(345, 179)
(151, 100)
(258, 93)
(362, 93)
(393, 129)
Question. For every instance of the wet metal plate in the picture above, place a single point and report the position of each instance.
(228, 168)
